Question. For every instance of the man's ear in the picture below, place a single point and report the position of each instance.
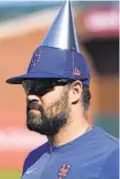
(76, 91)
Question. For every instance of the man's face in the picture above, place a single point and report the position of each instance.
(47, 106)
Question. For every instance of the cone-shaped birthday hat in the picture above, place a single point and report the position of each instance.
(58, 56)
(62, 33)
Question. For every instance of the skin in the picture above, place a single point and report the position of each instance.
(76, 123)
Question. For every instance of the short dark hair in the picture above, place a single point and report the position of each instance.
(86, 96)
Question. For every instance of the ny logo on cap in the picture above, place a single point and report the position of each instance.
(63, 171)
(76, 71)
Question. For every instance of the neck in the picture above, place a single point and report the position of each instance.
(70, 131)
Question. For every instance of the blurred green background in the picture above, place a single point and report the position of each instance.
(10, 174)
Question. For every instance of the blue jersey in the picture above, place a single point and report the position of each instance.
(94, 155)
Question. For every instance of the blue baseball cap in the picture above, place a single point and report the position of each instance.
(59, 55)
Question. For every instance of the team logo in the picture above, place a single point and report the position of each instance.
(76, 71)
(63, 171)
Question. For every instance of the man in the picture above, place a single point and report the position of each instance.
(58, 96)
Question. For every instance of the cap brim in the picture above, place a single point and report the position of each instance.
(21, 78)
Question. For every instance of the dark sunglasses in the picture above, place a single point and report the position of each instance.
(40, 87)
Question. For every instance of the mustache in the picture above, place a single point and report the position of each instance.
(34, 105)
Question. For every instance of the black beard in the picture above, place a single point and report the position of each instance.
(45, 125)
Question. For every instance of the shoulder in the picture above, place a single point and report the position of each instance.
(34, 155)
(110, 141)
(110, 169)
(109, 150)
(104, 140)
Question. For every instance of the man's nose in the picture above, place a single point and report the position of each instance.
(33, 97)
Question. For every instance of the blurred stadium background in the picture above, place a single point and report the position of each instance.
(22, 27)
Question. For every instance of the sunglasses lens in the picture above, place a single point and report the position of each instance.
(39, 87)
(36, 86)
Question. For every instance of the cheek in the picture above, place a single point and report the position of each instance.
(51, 97)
